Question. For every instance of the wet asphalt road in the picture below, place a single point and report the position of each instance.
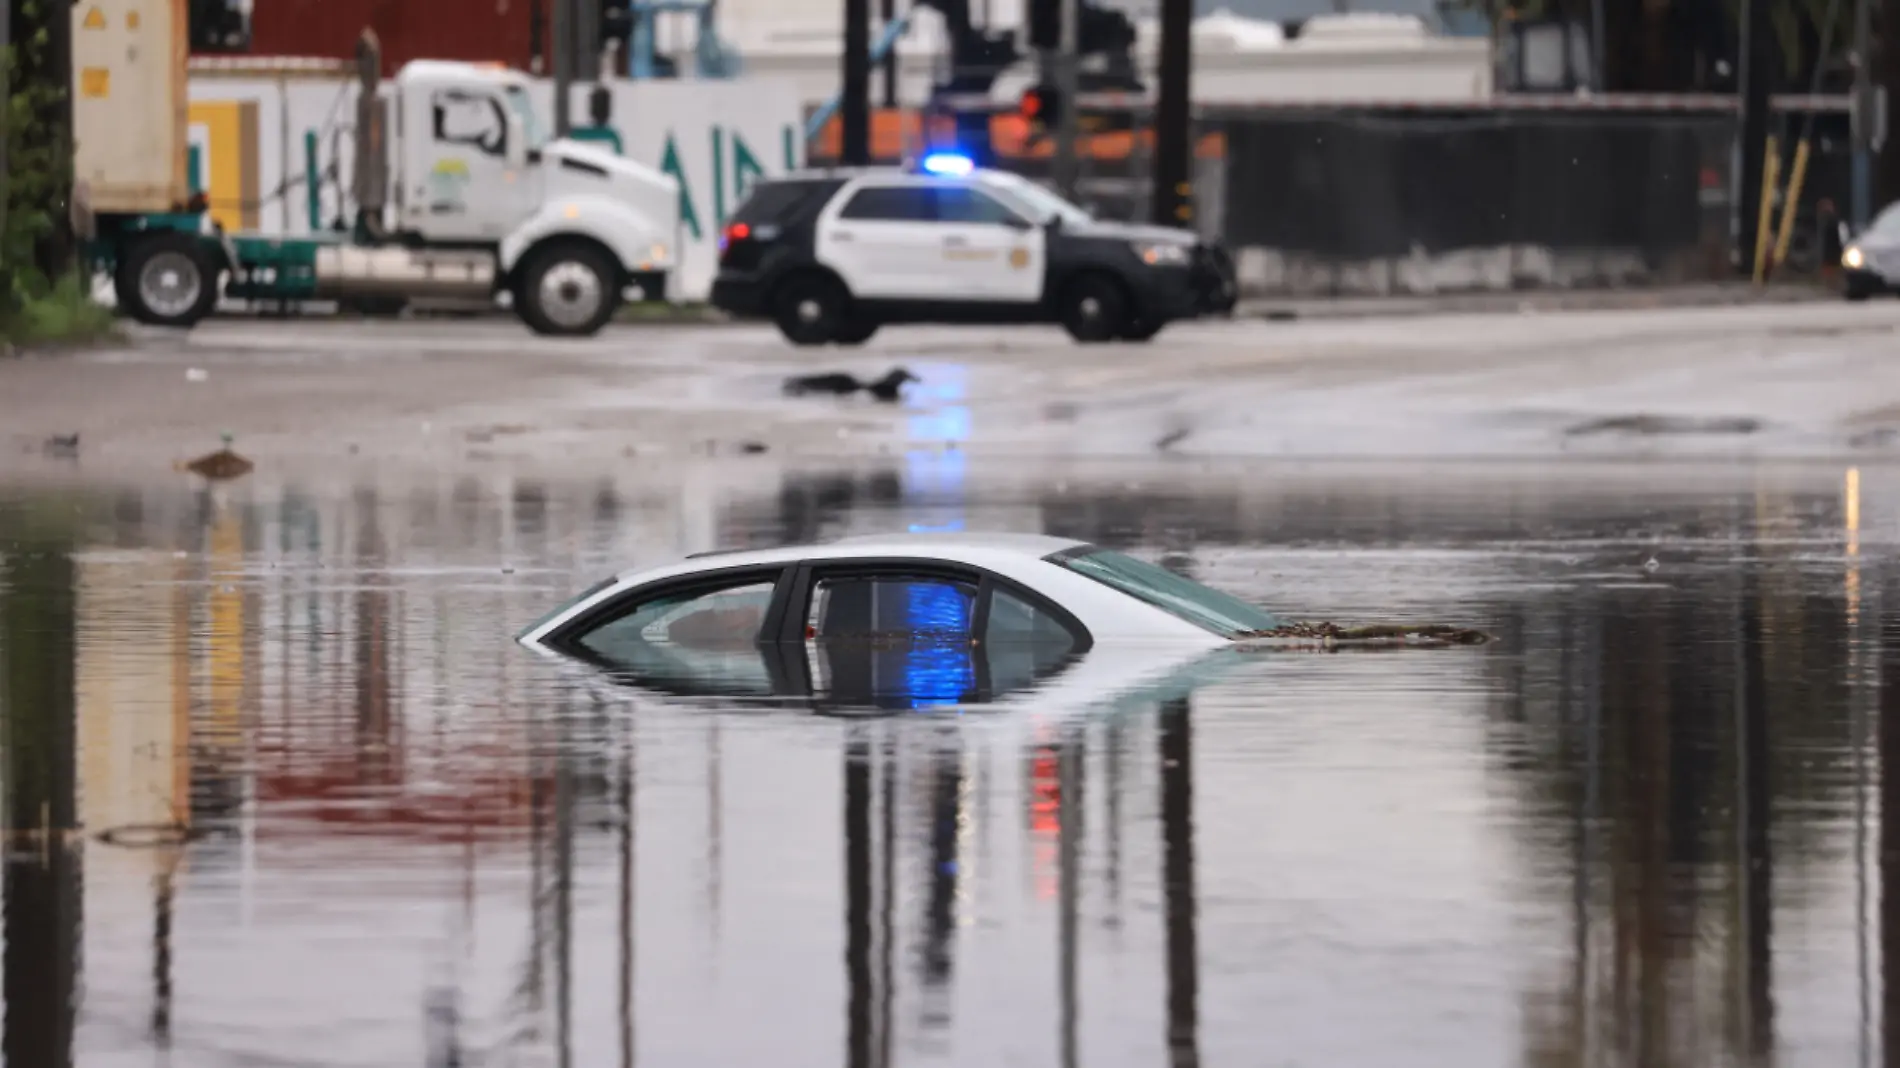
(1771, 381)
(1643, 827)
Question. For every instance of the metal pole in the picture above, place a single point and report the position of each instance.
(887, 10)
(1172, 204)
(1861, 207)
(1066, 83)
(1757, 56)
(563, 66)
(1599, 79)
(855, 95)
(6, 96)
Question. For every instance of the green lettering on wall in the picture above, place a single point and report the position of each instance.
(670, 163)
(719, 176)
(788, 138)
(745, 167)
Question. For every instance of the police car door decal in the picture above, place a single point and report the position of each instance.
(987, 247)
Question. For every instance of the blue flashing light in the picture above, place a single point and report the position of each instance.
(949, 164)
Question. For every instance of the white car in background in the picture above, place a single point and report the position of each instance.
(904, 621)
(1872, 259)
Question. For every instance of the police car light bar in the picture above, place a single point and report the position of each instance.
(949, 164)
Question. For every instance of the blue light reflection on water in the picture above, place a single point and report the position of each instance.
(934, 466)
(935, 470)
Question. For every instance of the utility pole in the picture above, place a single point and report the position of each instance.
(1067, 81)
(887, 11)
(855, 97)
(1860, 206)
(1757, 67)
(6, 98)
(563, 66)
(1173, 192)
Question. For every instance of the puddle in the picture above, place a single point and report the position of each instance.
(280, 789)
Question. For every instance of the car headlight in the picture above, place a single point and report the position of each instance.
(1162, 255)
(1853, 257)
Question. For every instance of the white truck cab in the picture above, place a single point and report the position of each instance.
(570, 226)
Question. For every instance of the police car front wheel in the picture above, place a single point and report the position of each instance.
(1094, 309)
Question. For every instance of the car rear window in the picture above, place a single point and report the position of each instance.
(777, 201)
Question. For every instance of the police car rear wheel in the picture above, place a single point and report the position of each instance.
(1093, 309)
(1142, 329)
(855, 332)
(810, 310)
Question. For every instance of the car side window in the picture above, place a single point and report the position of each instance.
(1024, 643)
(697, 618)
(1014, 620)
(960, 205)
(892, 607)
(890, 203)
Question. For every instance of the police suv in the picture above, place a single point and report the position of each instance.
(832, 255)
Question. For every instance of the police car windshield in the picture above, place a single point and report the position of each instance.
(1040, 202)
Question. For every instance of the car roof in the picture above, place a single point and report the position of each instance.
(1105, 613)
(952, 547)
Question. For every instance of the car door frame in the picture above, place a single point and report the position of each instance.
(795, 611)
(566, 638)
(898, 278)
(1015, 274)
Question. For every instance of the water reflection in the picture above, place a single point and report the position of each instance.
(276, 782)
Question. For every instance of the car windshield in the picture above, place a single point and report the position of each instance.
(1184, 598)
(524, 110)
(1887, 223)
(1042, 205)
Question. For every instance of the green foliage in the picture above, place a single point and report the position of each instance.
(35, 307)
(65, 311)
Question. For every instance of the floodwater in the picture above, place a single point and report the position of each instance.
(309, 805)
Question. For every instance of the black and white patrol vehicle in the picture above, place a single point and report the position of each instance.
(830, 256)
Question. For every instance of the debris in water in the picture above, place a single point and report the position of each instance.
(221, 465)
(1667, 424)
(887, 389)
(196, 374)
(1331, 634)
(62, 444)
(752, 448)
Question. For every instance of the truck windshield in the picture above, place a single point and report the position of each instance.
(524, 110)
(1184, 598)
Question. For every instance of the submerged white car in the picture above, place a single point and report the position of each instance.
(904, 620)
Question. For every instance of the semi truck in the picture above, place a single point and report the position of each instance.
(457, 193)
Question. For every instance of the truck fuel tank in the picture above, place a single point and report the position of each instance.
(353, 270)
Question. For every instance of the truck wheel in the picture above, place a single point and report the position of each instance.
(810, 310)
(168, 279)
(1093, 309)
(567, 289)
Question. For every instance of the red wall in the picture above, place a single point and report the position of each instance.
(478, 30)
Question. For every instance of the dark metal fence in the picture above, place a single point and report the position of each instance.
(1345, 189)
